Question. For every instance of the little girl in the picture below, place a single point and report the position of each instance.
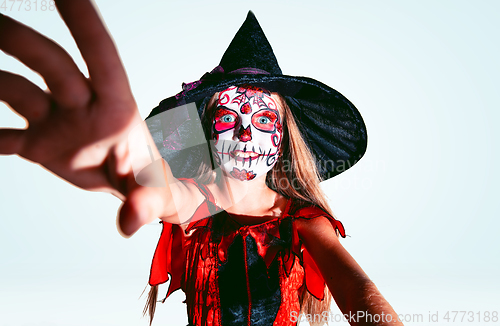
(247, 233)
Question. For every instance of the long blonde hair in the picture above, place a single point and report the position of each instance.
(294, 175)
(300, 180)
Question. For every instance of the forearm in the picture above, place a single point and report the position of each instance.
(355, 294)
(367, 306)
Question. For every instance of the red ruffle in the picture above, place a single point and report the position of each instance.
(315, 283)
(169, 258)
(170, 253)
(277, 236)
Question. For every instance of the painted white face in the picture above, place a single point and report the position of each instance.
(247, 132)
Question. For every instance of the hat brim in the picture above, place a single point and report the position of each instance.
(330, 124)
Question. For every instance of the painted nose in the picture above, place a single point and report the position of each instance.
(244, 134)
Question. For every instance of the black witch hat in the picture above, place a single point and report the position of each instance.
(329, 122)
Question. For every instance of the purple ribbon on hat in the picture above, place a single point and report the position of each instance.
(217, 71)
(217, 74)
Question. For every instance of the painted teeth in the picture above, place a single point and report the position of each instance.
(245, 154)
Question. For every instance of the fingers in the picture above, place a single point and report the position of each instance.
(23, 96)
(65, 81)
(97, 48)
(11, 141)
(26, 99)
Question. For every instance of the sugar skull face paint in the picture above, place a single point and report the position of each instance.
(247, 132)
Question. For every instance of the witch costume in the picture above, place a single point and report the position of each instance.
(252, 275)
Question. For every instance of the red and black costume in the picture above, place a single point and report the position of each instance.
(236, 274)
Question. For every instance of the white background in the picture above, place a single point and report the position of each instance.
(421, 207)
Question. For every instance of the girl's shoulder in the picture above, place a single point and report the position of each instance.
(305, 214)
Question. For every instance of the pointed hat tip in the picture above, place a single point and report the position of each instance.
(250, 49)
(251, 15)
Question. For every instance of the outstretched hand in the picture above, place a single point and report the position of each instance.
(78, 129)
